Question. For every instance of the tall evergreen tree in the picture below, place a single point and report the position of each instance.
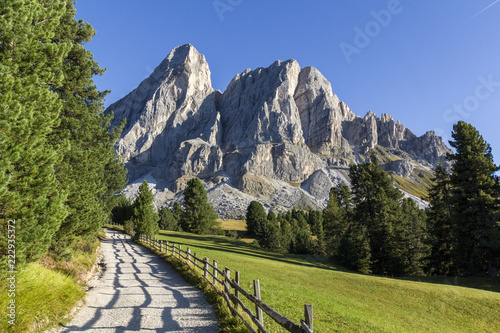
(270, 237)
(167, 220)
(441, 240)
(378, 210)
(286, 235)
(178, 212)
(256, 219)
(415, 248)
(145, 218)
(89, 171)
(474, 202)
(122, 210)
(199, 216)
(337, 216)
(31, 67)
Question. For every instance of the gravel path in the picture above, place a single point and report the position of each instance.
(139, 292)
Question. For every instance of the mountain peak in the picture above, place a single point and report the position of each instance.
(271, 127)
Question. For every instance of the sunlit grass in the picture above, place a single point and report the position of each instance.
(42, 297)
(349, 302)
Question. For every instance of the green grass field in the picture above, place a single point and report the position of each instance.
(43, 298)
(349, 302)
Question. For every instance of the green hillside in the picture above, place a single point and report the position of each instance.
(350, 302)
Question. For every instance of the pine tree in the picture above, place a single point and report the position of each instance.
(378, 210)
(337, 216)
(122, 210)
(286, 235)
(167, 220)
(256, 219)
(145, 218)
(414, 236)
(270, 237)
(177, 213)
(31, 67)
(199, 216)
(474, 202)
(89, 171)
(441, 240)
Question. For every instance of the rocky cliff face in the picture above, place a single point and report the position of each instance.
(277, 134)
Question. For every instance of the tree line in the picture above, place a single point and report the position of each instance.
(58, 170)
(140, 217)
(372, 228)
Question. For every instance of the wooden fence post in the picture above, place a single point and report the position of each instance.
(215, 273)
(189, 256)
(236, 291)
(227, 278)
(205, 268)
(258, 311)
(180, 255)
(173, 250)
(161, 246)
(166, 247)
(308, 314)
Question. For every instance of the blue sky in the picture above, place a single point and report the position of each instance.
(427, 63)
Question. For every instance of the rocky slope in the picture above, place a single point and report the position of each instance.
(277, 134)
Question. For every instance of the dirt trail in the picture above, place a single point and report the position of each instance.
(139, 292)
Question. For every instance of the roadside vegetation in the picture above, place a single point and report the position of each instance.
(47, 292)
(58, 169)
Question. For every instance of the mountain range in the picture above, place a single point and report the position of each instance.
(278, 135)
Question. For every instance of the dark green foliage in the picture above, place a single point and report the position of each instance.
(31, 66)
(122, 210)
(256, 219)
(377, 209)
(286, 236)
(337, 216)
(177, 213)
(58, 172)
(89, 171)
(144, 217)
(199, 216)
(441, 258)
(303, 243)
(474, 202)
(354, 250)
(414, 233)
(315, 221)
(270, 236)
(167, 220)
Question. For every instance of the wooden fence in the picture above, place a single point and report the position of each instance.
(221, 281)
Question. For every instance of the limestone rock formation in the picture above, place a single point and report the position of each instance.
(277, 134)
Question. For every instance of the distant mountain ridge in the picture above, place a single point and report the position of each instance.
(277, 134)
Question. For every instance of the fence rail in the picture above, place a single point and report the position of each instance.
(221, 282)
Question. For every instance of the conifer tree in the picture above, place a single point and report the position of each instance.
(415, 248)
(270, 237)
(167, 220)
(177, 212)
(256, 219)
(474, 202)
(31, 67)
(199, 216)
(122, 210)
(337, 216)
(441, 239)
(89, 171)
(145, 218)
(286, 235)
(378, 210)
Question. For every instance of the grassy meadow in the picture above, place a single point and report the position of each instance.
(349, 302)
